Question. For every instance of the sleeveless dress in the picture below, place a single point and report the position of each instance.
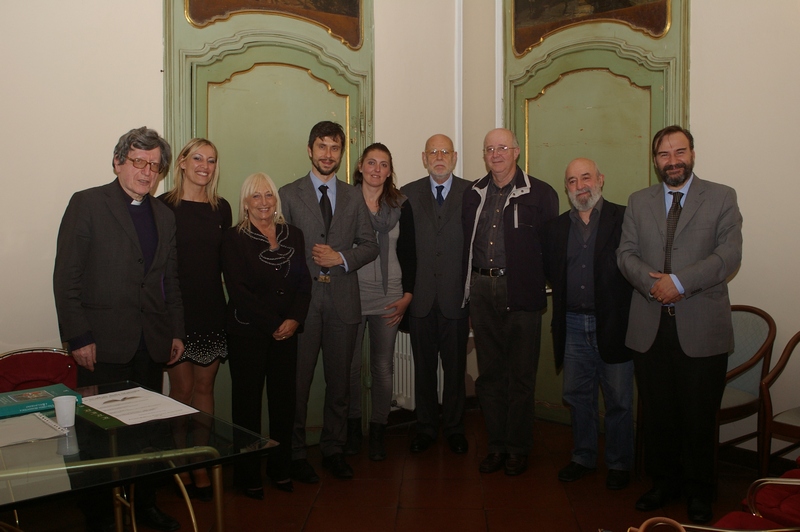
(199, 239)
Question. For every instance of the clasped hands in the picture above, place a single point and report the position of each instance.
(325, 257)
(664, 290)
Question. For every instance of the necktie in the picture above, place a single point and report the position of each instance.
(439, 197)
(325, 208)
(672, 223)
(327, 214)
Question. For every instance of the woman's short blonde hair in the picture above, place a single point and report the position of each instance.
(252, 184)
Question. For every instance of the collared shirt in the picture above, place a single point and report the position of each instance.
(580, 260)
(489, 248)
(668, 202)
(331, 184)
(447, 186)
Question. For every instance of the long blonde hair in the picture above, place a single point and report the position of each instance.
(174, 196)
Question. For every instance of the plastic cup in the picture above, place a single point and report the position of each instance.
(68, 444)
(65, 409)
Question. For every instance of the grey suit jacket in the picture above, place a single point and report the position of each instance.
(440, 241)
(99, 280)
(351, 234)
(706, 251)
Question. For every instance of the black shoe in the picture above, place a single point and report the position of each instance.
(377, 451)
(254, 493)
(154, 518)
(493, 462)
(337, 465)
(655, 499)
(354, 437)
(516, 464)
(205, 494)
(302, 471)
(618, 479)
(420, 443)
(573, 471)
(699, 510)
(458, 443)
(284, 485)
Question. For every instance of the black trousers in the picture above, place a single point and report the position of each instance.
(680, 399)
(432, 337)
(255, 361)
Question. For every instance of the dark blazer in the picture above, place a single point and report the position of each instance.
(612, 292)
(262, 296)
(706, 251)
(101, 288)
(351, 234)
(530, 204)
(439, 242)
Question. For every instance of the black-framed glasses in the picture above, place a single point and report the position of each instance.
(435, 152)
(141, 163)
(502, 150)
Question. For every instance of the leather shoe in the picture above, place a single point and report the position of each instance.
(420, 443)
(655, 499)
(618, 479)
(573, 471)
(337, 465)
(493, 462)
(516, 464)
(154, 518)
(301, 471)
(699, 510)
(458, 443)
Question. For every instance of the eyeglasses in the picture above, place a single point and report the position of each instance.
(444, 153)
(141, 163)
(502, 150)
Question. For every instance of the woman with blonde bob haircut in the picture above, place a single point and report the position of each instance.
(201, 218)
(269, 289)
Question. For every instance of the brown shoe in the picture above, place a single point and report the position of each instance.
(493, 462)
(516, 464)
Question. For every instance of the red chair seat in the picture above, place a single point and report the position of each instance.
(780, 503)
(745, 521)
(33, 368)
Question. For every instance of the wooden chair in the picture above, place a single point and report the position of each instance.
(786, 424)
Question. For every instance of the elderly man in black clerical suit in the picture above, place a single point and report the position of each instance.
(116, 289)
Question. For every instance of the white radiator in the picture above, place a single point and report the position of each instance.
(403, 378)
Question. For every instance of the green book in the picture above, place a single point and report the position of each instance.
(33, 400)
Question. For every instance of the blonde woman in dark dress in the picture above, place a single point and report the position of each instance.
(201, 217)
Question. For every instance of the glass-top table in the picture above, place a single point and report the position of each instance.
(104, 453)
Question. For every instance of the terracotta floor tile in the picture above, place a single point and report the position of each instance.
(332, 519)
(440, 519)
(531, 520)
(441, 493)
(359, 493)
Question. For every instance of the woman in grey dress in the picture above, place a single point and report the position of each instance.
(386, 287)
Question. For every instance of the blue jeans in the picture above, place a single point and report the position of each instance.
(584, 372)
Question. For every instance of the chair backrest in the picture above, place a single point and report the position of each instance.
(754, 337)
(775, 372)
(36, 367)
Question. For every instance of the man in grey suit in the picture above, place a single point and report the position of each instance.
(116, 288)
(339, 240)
(439, 325)
(681, 241)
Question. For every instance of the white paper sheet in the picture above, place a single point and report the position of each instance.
(137, 405)
(29, 427)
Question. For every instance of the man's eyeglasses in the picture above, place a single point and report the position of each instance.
(435, 152)
(141, 163)
(502, 150)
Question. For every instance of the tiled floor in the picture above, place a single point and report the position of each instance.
(435, 490)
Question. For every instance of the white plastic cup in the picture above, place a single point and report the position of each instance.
(68, 443)
(65, 409)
